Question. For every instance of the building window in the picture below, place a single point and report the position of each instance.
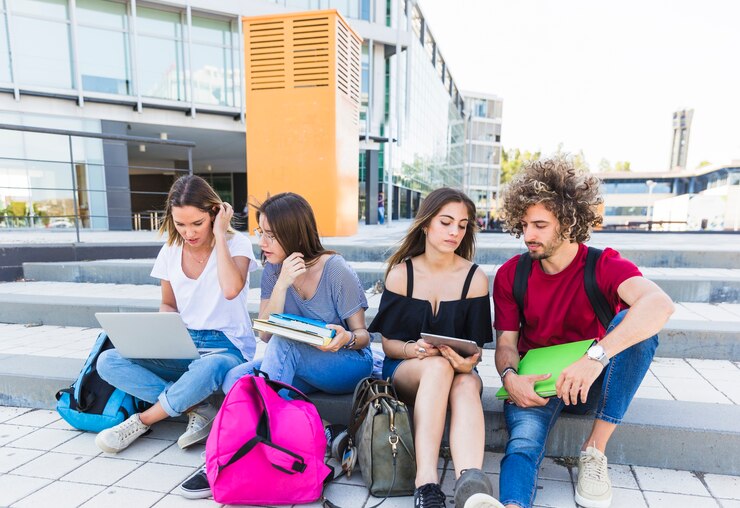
(212, 62)
(103, 48)
(160, 54)
(635, 211)
(4, 48)
(42, 60)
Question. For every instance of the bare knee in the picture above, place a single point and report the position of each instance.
(438, 369)
(465, 386)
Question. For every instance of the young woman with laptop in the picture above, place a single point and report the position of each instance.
(432, 287)
(203, 268)
(303, 278)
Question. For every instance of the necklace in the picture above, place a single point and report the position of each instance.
(199, 261)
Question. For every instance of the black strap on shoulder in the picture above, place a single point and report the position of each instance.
(409, 278)
(601, 306)
(468, 280)
(521, 278)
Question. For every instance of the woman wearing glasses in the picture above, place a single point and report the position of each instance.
(301, 277)
(203, 268)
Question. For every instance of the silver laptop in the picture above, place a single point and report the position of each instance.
(150, 335)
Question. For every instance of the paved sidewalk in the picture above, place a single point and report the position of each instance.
(44, 462)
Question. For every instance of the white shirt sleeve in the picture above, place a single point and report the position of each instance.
(160, 270)
(239, 245)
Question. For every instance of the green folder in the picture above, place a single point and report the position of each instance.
(552, 360)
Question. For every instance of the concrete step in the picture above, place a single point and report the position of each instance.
(710, 285)
(684, 416)
(696, 330)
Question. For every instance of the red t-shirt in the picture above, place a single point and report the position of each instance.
(556, 307)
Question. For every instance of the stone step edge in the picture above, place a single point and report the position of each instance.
(655, 433)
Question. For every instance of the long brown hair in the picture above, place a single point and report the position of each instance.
(414, 243)
(293, 224)
(189, 190)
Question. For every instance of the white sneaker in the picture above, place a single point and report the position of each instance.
(118, 438)
(594, 489)
(200, 420)
(481, 500)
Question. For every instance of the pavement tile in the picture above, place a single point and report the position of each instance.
(729, 503)
(176, 456)
(60, 495)
(694, 390)
(667, 500)
(724, 486)
(555, 494)
(350, 496)
(36, 418)
(621, 476)
(102, 471)
(61, 424)
(167, 430)
(10, 412)
(628, 498)
(654, 392)
(142, 449)
(9, 433)
(44, 439)
(11, 458)
(84, 444)
(119, 497)
(51, 465)
(551, 470)
(14, 488)
(156, 477)
(492, 462)
(669, 480)
(174, 501)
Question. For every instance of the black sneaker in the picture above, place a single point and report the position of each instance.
(429, 495)
(473, 490)
(197, 486)
(336, 439)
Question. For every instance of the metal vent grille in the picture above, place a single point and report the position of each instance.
(310, 52)
(266, 60)
(348, 67)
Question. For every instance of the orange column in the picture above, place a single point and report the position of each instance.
(302, 111)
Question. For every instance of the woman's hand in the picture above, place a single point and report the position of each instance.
(293, 267)
(223, 220)
(341, 338)
(459, 364)
(423, 349)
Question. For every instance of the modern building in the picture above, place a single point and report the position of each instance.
(104, 102)
(482, 173)
(702, 199)
(680, 144)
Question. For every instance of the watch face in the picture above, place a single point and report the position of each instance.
(596, 352)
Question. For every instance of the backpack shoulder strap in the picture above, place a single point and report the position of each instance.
(600, 304)
(521, 278)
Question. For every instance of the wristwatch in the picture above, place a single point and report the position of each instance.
(597, 353)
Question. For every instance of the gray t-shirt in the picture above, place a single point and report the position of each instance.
(338, 296)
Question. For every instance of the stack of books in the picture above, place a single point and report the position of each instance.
(291, 326)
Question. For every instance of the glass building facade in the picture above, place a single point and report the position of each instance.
(163, 60)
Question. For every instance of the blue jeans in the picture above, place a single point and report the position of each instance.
(306, 368)
(176, 384)
(609, 397)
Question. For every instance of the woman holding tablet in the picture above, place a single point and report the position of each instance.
(433, 287)
(301, 277)
(203, 268)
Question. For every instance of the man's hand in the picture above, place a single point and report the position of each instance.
(576, 379)
(459, 364)
(521, 389)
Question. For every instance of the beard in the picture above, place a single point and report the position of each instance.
(547, 248)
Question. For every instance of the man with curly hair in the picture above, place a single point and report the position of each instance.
(554, 207)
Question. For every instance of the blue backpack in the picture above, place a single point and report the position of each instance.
(91, 403)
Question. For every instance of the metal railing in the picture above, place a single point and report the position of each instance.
(24, 212)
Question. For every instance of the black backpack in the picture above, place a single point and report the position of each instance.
(600, 304)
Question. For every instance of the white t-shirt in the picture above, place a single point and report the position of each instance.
(201, 302)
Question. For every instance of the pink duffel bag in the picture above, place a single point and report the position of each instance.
(265, 450)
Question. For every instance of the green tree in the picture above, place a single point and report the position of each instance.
(512, 161)
(703, 164)
(604, 166)
(623, 166)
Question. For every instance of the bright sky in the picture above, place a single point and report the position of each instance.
(600, 76)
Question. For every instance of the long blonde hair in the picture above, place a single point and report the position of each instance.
(189, 190)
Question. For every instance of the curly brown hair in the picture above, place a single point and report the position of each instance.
(572, 195)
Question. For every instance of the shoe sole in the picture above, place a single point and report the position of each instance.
(482, 501)
(591, 503)
(196, 437)
(196, 494)
(107, 449)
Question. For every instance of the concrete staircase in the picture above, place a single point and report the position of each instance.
(670, 424)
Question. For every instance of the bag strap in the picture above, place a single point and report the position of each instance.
(601, 306)
(521, 279)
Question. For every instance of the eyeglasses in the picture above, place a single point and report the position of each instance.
(260, 234)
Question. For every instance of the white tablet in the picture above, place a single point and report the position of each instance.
(463, 347)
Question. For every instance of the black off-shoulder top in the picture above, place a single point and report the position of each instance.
(405, 318)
